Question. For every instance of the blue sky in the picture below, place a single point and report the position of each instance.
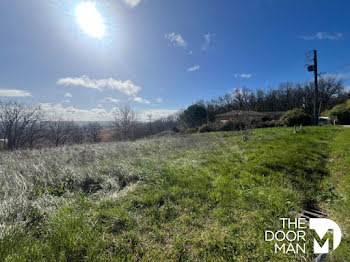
(163, 55)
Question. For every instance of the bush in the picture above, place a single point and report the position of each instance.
(229, 126)
(272, 123)
(233, 125)
(194, 115)
(205, 129)
(295, 116)
(341, 112)
(191, 130)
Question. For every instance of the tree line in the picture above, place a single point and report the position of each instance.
(25, 126)
(127, 125)
(286, 96)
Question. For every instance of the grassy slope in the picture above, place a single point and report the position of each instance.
(200, 197)
(339, 208)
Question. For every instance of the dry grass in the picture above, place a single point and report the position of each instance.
(41, 180)
(200, 197)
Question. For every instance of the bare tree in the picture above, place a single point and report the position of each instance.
(59, 131)
(35, 130)
(286, 97)
(77, 134)
(125, 119)
(19, 123)
(93, 132)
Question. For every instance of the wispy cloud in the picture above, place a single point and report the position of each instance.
(176, 40)
(194, 68)
(132, 3)
(156, 113)
(141, 100)
(159, 100)
(65, 101)
(207, 41)
(109, 100)
(69, 95)
(14, 93)
(323, 36)
(244, 76)
(98, 113)
(345, 75)
(76, 114)
(127, 87)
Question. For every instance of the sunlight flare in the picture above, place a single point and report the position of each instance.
(90, 20)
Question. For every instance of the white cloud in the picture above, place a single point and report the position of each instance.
(66, 101)
(141, 100)
(76, 114)
(176, 39)
(347, 88)
(127, 87)
(69, 95)
(132, 3)
(110, 100)
(14, 93)
(159, 100)
(156, 113)
(194, 68)
(345, 75)
(323, 36)
(244, 76)
(207, 41)
(97, 113)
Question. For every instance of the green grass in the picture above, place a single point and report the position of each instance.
(201, 197)
(339, 206)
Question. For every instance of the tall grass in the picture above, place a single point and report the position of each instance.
(38, 181)
(339, 205)
(200, 197)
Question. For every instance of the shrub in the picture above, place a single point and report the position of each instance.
(232, 125)
(205, 128)
(272, 123)
(194, 115)
(295, 116)
(341, 112)
(191, 130)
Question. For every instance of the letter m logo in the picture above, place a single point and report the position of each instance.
(322, 226)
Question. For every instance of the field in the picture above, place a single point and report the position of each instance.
(198, 197)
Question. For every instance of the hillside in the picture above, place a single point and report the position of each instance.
(199, 197)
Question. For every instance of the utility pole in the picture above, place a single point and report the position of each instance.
(316, 98)
(314, 68)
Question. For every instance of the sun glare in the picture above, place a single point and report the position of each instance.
(90, 20)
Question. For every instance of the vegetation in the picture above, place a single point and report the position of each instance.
(28, 127)
(286, 97)
(194, 116)
(339, 206)
(341, 112)
(23, 126)
(199, 197)
(296, 116)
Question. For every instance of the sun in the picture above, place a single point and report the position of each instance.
(90, 20)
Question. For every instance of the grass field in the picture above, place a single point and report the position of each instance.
(199, 197)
